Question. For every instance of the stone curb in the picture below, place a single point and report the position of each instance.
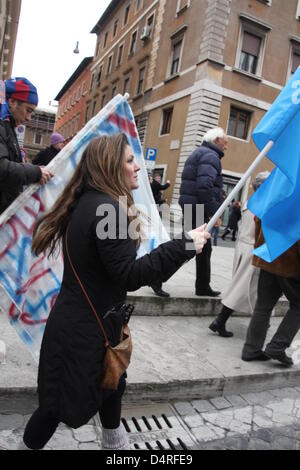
(186, 390)
(151, 306)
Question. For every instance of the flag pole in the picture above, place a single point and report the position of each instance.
(237, 188)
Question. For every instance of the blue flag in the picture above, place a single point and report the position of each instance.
(276, 202)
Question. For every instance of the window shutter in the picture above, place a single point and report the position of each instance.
(296, 62)
(251, 44)
(177, 49)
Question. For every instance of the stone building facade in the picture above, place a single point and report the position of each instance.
(72, 113)
(35, 135)
(190, 65)
(9, 21)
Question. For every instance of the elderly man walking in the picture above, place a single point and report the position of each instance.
(202, 184)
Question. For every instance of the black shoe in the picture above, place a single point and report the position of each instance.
(208, 293)
(259, 357)
(281, 357)
(215, 326)
(160, 293)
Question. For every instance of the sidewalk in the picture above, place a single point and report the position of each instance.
(175, 355)
(252, 421)
(181, 287)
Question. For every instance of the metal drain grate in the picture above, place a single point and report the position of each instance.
(156, 427)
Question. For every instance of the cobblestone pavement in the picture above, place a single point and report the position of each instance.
(255, 421)
(267, 420)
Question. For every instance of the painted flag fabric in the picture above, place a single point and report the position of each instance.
(29, 285)
(276, 202)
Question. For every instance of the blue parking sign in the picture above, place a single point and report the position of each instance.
(151, 154)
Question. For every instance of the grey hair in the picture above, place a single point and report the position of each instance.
(259, 179)
(213, 134)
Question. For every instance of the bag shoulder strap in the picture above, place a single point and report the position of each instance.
(84, 291)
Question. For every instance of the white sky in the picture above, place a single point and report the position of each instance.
(47, 35)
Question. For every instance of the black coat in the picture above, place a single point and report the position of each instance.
(45, 156)
(73, 345)
(234, 217)
(202, 180)
(13, 173)
(156, 190)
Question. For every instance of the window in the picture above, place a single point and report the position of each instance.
(150, 22)
(114, 91)
(92, 81)
(38, 138)
(83, 89)
(78, 93)
(133, 43)
(295, 61)
(239, 123)
(126, 85)
(77, 123)
(251, 45)
(120, 55)
(250, 53)
(94, 108)
(109, 65)
(126, 14)
(139, 4)
(166, 121)
(97, 49)
(141, 80)
(176, 54)
(266, 2)
(105, 40)
(87, 111)
(115, 27)
(103, 100)
(182, 5)
(98, 78)
(298, 11)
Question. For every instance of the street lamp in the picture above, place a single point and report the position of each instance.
(76, 50)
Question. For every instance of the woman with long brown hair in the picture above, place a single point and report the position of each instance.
(88, 222)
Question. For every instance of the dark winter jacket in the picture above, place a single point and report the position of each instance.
(13, 173)
(156, 190)
(73, 345)
(202, 179)
(45, 156)
(234, 218)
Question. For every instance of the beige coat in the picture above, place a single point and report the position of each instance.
(242, 292)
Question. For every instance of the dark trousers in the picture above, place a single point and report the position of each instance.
(203, 274)
(156, 285)
(270, 289)
(203, 268)
(41, 427)
(227, 231)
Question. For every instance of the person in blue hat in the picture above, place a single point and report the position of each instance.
(21, 100)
